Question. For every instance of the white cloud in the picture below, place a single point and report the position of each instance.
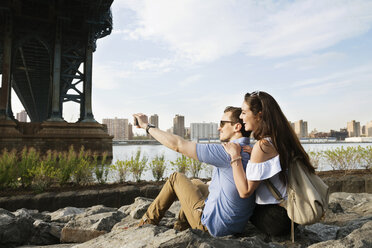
(203, 31)
(154, 64)
(311, 62)
(190, 80)
(108, 77)
(355, 77)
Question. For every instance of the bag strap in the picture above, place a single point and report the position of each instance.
(274, 191)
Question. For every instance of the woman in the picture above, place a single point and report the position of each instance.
(276, 146)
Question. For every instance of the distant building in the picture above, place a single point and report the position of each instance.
(179, 125)
(187, 133)
(300, 128)
(353, 128)
(154, 119)
(316, 134)
(203, 131)
(119, 128)
(22, 116)
(339, 135)
(130, 131)
(363, 131)
(369, 129)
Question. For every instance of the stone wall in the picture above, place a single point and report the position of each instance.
(116, 197)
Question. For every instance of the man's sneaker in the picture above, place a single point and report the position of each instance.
(181, 225)
(145, 221)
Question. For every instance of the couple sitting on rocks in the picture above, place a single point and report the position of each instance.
(236, 193)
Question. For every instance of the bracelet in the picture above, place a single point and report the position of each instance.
(236, 159)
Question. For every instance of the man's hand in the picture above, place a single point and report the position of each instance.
(142, 120)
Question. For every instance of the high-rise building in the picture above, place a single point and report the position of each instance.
(22, 116)
(118, 128)
(154, 119)
(363, 131)
(130, 131)
(300, 128)
(203, 131)
(369, 129)
(179, 125)
(353, 128)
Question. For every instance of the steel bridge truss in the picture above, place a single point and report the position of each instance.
(43, 45)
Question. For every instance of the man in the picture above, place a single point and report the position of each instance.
(222, 212)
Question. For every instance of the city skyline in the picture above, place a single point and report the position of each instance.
(196, 58)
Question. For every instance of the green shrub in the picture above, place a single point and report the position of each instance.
(29, 159)
(83, 169)
(157, 167)
(8, 165)
(101, 169)
(123, 168)
(137, 165)
(181, 164)
(315, 158)
(366, 157)
(66, 164)
(343, 158)
(43, 176)
(195, 166)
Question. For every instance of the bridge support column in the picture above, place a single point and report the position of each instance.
(86, 114)
(5, 90)
(56, 98)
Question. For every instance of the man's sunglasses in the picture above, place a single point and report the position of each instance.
(222, 123)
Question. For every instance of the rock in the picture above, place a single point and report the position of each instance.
(14, 230)
(100, 222)
(64, 215)
(45, 233)
(98, 209)
(84, 226)
(351, 226)
(158, 236)
(359, 238)
(139, 207)
(335, 207)
(73, 235)
(49, 246)
(318, 232)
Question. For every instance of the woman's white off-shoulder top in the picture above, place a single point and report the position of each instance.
(261, 171)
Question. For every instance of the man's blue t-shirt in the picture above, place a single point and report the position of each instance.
(224, 213)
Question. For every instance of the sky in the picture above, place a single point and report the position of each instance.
(194, 58)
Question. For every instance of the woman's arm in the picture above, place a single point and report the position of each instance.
(244, 187)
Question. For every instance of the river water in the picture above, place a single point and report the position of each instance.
(122, 152)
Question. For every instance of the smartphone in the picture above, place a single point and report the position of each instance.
(136, 122)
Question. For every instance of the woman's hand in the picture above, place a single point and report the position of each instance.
(233, 149)
(247, 149)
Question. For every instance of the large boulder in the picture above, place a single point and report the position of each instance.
(64, 215)
(15, 229)
(95, 221)
(359, 238)
(158, 236)
(45, 233)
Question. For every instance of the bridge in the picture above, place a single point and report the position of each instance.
(46, 56)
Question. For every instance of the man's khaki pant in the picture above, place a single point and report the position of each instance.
(190, 193)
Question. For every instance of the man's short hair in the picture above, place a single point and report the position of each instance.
(235, 113)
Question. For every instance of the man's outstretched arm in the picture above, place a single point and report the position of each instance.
(170, 140)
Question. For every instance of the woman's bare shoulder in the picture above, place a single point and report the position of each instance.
(262, 151)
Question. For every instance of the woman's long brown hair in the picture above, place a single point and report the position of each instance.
(275, 125)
